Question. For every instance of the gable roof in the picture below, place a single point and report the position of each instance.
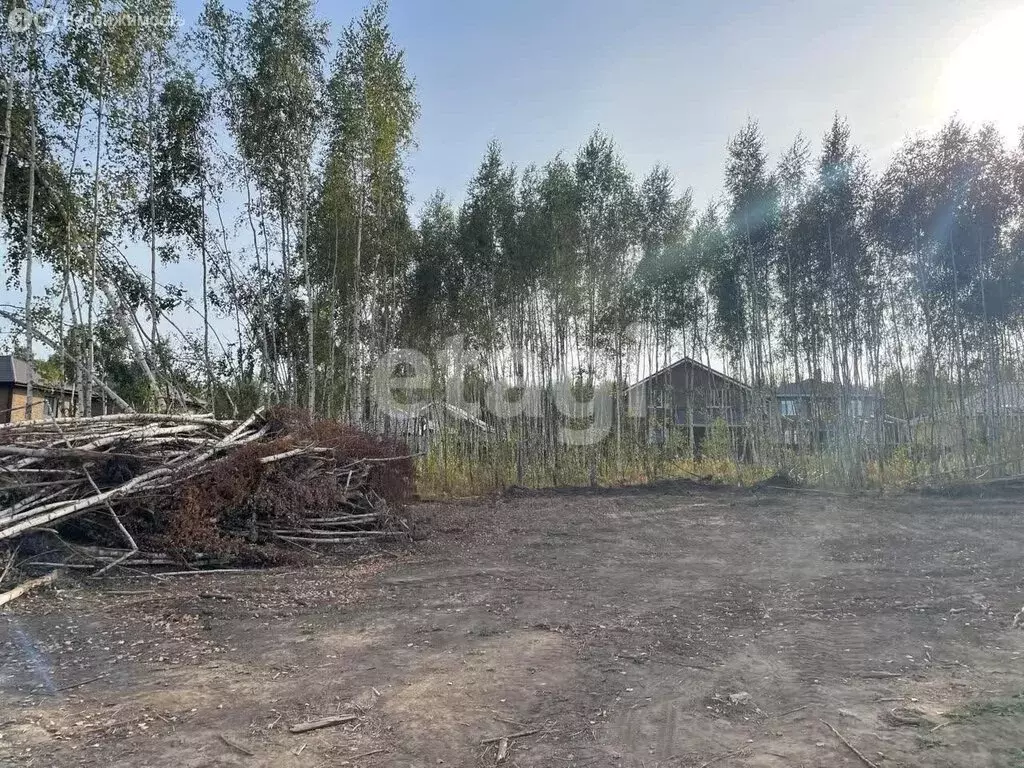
(432, 409)
(16, 372)
(695, 364)
(819, 388)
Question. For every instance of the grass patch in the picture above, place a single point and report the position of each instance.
(460, 476)
(1012, 707)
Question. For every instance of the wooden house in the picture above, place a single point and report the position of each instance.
(810, 410)
(689, 396)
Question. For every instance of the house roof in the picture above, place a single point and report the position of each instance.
(15, 371)
(819, 388)
(433, 409)
(1006, 395)
(695, 364)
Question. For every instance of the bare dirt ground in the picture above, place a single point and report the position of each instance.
(612, 626)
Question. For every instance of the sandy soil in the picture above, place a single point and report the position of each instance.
(668, 626)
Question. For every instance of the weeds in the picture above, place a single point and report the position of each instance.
(459, 465)
(455, 469)
(1012, 707)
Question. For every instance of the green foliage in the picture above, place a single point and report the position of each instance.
(182, 112)
(277, 88)
(718, 443)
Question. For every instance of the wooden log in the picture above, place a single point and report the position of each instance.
(344, 519)
(66, 510)
(342, 538)
(326, 722)
(54, 453)
(29, 585)
(285, 455)
(509, 736)
(111, 420)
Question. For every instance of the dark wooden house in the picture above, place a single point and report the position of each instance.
(690, 396)
(811, 410)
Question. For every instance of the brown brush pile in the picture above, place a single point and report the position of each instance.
(154, 489)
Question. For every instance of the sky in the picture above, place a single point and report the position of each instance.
(672, 80)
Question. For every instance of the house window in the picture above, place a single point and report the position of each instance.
(855, 407)
(787, 406)
(660, 397)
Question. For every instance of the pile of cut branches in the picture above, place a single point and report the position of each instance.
(192, 490)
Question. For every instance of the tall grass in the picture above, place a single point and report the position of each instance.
(454, 467)
(459, 466)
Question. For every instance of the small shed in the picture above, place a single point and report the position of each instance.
(419, 426)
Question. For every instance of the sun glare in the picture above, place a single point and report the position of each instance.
(983, 80)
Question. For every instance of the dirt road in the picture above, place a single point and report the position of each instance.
(672, 626)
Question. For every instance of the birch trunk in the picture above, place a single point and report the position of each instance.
(137, 351)
(206, 297)
(356, 404)
(30, 242)
(91, 358)
(331, 320)
(153, 305)
(269, 350)
(5, 151)
(311, 373)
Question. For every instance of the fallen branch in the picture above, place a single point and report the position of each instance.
(80, 683)
(233, 745)
(134, 548)
(327, 722)
(29, 585)
(510, 736)
(850, 746)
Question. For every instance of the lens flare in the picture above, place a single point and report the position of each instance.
(983, 80)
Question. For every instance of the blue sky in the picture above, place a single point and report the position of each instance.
(670, 80)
